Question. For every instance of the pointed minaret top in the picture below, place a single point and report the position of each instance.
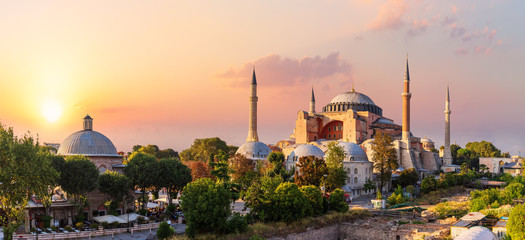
(448, 95)
(407, 74)
(353, 89)
(313, 96)
(254, 81)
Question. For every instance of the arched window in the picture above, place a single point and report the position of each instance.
(355, 171)
(352, 159)
(355, 180)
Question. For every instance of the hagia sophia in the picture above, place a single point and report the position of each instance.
(352, 119)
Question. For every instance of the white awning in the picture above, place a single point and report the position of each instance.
(109, 219)
(152, 205)
(132, 217)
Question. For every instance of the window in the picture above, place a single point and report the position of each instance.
(351, 158)
(355, 171)
(355, 180)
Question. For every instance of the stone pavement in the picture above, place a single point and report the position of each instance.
(362, 202)
(142, 235)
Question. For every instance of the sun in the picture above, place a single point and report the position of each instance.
(51, 110)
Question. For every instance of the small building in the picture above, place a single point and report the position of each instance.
(465, 223)
(500, 228)
(495, 165)
(513, 168)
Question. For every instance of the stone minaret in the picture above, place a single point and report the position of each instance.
(447, 155)
(252, 128)
(88, 123)
(406, 105)
(312, 102)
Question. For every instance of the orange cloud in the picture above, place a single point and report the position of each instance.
(390, 15)
(284, 71)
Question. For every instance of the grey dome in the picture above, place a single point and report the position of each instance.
(305, 150)
(254, 150)
(352, 97)
(353, 152)
(352, 100)
(88, 143)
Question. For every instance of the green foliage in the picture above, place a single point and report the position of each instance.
(115, 185)
(311, 171)
(483, 149)
(172, 175)
(165, 231)
(315, 199)
(384, 157)
(260, 195)
(141, 170)
(451, 208)
(204, 149)
(167, 153)
(289, 202)
(335, 155)
(396, 197)
(408, 177)
(220, 168)
(516, 223)
(337, 201)
(429, 184)
(206, 206)
(242, 171)
(369, 185)
(237, 223)
(80, 178)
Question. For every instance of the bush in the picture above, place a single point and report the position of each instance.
(452, 208)
(429, 184)
(79, 225)
(337, 201)
(289, 203)
(206, 206)
(94, 226)
(105, 225)
(516, 225)
(315, 199)
(237, 223)
(165, 231)
(143, 212)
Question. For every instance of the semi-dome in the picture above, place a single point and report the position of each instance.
(254, 150)
(88, 142)
(352, 100)
(353, 152)
(305, 150)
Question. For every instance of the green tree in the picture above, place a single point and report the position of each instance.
(384, 157)
(429, 184)
(172, 175)
(516, 223)
(259, 197)
(334, 162)
(483, 149)
(408, 177)
(289, 202)
(115, 185)
(25, 170)
(203, 149)
(220, 167)
(80, 176)
(276, 160)
(167, 153)
(337, 201)
(311, 171)
(165, 231)
(315, 199)
(206, 206)
(142, 172)
(242, 171)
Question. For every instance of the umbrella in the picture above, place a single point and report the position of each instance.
(109, 219)
(152, 205)
(132, 217)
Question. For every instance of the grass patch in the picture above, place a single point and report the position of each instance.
(418, 222)
(435, 197)
(261, 230)
(401, 222)
(451, 208)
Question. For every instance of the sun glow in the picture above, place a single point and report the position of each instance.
(51, 110)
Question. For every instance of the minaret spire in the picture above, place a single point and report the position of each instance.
(312, 102)
(447, 155)
(252, 128)
(88, 123)
(406, 95)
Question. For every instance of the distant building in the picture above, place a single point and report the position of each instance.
(500, 228)
(476, 233)
(472, 219)
(496, 165)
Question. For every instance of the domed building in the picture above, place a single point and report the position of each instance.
(254, 150)
(299, 151)
(94, 145)
(358, 168)
(351, 116)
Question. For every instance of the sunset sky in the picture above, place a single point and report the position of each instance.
(167, 72)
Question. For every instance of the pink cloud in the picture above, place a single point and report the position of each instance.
(390, 15)
(418, 27)
(461, 51)
(499, 42)
(481, 49)
(454, 9)
(283, 71)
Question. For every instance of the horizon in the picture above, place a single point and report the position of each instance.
(169, 73)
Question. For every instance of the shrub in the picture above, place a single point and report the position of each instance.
(237, 223)
(315, 199)
(94, 226)
(429, 184)
(446, 209)
(105, 225)
(206, 206)
(289, 203)
(337, 201)
(68, 228)
(165, 231)
(79, 225)
(516, 225)
(143, 212)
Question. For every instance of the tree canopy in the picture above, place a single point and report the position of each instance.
(334, 162)
(311, 171)
(516, 223)
(115, 185)
(142, 171)
(204, 149)
(384, 157)
(80, 178)
(172, 175)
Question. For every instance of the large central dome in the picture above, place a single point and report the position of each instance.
(352, 97)
(352, 100)
(88, 142)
